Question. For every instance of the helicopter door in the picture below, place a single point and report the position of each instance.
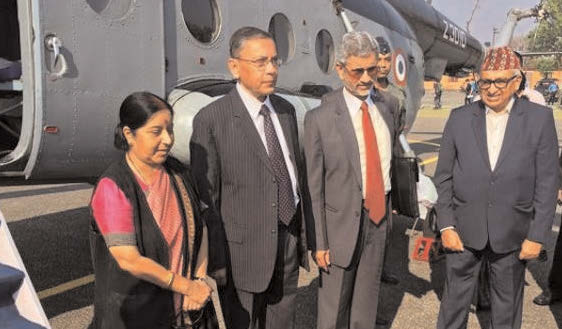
(90, 55)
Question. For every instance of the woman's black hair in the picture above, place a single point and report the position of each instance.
(135, 111)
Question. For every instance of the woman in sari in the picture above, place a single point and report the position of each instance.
(148, 241)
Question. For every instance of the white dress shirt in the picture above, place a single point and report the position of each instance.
(381, 130)
(496, 123)
(253, 105)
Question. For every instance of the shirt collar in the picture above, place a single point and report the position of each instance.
(253, 105)
(353, 103)
(508, 107)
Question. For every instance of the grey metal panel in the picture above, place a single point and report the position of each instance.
(184, 52)
(108, 58)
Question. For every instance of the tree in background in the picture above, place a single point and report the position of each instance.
(548, 33)
(545, 65)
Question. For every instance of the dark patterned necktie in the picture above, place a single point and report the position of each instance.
(285, 197)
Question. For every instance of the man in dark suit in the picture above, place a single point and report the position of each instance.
(497, 181)
(246, 158)
(348, 149)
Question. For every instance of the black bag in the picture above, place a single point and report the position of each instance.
(405, 175)
(430, 228)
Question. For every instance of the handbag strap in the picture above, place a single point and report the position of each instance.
(186, 272)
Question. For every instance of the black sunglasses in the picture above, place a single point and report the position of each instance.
(499, 83)
(358, 72)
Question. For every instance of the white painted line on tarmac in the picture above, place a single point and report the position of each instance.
(66, 286)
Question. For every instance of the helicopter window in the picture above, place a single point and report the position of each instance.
(282, 32)
(202, 19)
(112, 9)
(325, 51)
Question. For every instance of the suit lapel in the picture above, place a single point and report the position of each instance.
(512, 130)
(479, 128)
(347, 133)
(244, 123)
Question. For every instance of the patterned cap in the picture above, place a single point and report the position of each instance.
(384, 47)
(501, 58)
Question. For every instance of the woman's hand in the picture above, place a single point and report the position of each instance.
(197, 293)
(190, 305)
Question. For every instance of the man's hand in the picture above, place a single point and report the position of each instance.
(322, 258)
(451, 240)
(530, 250)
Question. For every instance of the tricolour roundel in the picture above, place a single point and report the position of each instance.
(399, 67)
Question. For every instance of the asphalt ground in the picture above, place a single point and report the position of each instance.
(49, 224)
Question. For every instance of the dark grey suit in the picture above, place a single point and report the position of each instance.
(234, 173)
(495, 210)
(349, 292)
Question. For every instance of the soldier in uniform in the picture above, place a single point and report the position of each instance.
(383, 83)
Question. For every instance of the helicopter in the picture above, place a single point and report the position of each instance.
(79, 59)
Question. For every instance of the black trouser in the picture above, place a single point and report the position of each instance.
(275, 307)
(507, 274)
(555, 277)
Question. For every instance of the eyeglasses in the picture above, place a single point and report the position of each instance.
(499, 83)
(261, 63)
(358, 72)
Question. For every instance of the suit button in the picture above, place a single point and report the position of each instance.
(273, 231)
(273, 204)
(273, 180)
(490, 204)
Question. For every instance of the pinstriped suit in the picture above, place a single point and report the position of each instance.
(234, 173)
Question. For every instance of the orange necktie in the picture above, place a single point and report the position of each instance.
(374, 196)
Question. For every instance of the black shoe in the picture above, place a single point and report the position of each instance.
(547, 298)
(389, 278)
(543, 257)
(382, 322)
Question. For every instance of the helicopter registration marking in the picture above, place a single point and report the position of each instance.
(454, 34)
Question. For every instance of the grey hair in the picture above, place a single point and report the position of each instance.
(242, 35)
(356, 43)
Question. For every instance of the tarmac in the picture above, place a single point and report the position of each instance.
(49, 223)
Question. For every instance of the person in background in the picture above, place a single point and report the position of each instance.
(552, 91)
(384, 65)
(553, 292)
(437, 92)
(529, 94)
(486, 212)
(147, 236)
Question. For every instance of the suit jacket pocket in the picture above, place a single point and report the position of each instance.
(235, 232)
(524, 207)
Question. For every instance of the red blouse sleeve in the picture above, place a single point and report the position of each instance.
(113, 214)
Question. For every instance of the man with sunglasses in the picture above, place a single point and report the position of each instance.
(246, 159)
(348, 149)
(497, 180)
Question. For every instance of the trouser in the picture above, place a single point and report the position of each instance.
(348, 297)
(275, 307)
(555, 277)
(507, 274)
